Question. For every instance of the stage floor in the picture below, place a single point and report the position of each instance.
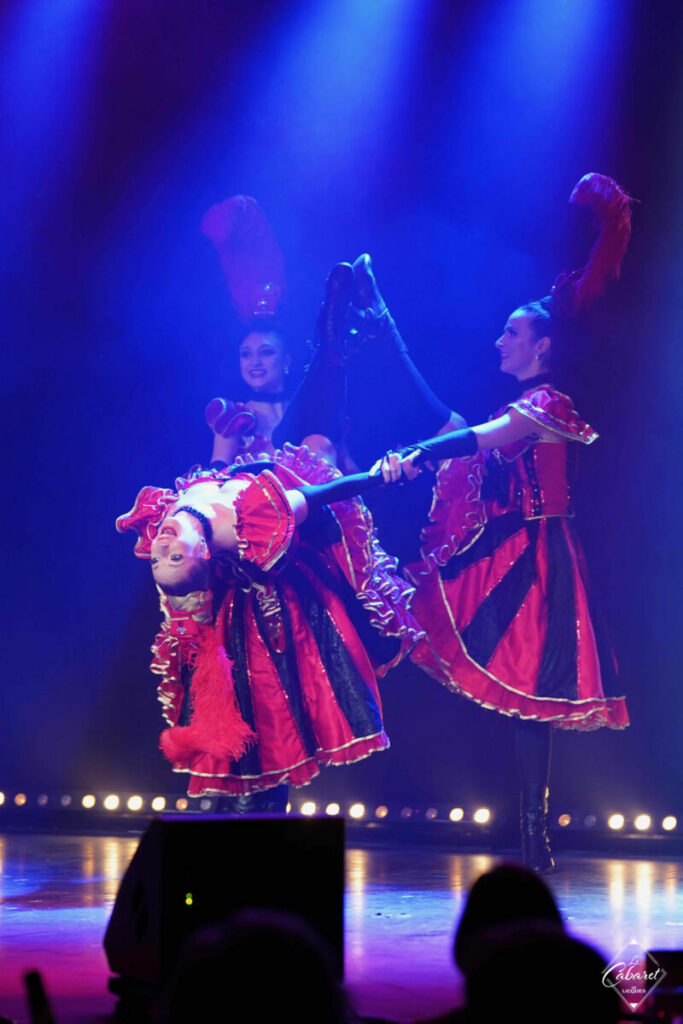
(402, 904)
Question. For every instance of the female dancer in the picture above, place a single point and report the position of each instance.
(502, 583)
(280, 613)
(248, 425)
(253, 267)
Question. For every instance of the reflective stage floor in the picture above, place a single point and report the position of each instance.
(402, 904)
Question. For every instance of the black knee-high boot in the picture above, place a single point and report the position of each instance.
(532, 752)
(319, 403)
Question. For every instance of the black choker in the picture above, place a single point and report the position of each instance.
(534, 382)
(201, 519)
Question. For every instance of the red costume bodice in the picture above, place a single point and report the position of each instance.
(538, 476)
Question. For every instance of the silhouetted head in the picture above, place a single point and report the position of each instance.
(259, 965)
(534, 971)
(508, 893)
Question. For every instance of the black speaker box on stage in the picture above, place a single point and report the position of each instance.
(188, 873)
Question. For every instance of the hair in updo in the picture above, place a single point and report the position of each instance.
(265, 325)
(543, 314)
(547, 319)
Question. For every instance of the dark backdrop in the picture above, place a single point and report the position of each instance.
(443, 138)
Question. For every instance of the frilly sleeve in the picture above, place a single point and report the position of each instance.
(264, 521)
(554, 411)
(180, 637)
(457, 515)
(152, 505)
(146, 515)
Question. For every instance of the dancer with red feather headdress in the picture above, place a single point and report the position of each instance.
(280, 609)
(501, 586)
(253, 267)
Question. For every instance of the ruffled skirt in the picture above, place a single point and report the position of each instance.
(511, 626)
(306, 641)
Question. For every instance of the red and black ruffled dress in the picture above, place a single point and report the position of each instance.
(502, 583)
(275, 674)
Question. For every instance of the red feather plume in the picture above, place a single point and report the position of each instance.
(610, 206)
(250, 257)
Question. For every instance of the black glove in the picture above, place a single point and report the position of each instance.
(318, 495)
(454, 445)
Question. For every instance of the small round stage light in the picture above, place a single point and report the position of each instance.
(643, 822)
(332, 810)
(381, 811)
(564, 820)
(189, 899)
(616, 821)
(66, 800)
(88, 801)
(2, 799)
(111, 802)
(205, 804)
(406, 812)
(20, 799)
(482, 815)
(308, 808)
(456, 814)
(590, 821)
(158, 803)
(431, 813)
(669, 823)
(181, 804)
(42, 800)
(135, 803)
(288, 808)
(357, 811)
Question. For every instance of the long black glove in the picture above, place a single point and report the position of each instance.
(454, 445)
(318, 495)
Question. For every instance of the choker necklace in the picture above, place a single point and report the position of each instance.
(534, 382)
(201, 519)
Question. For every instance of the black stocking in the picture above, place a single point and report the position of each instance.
(532, 752)
(392, 404)
(388, 400)
(318, 405)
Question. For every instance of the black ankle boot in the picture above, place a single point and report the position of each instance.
(268, 801)
(332, 319)
(366, 294)
(536, 853)
(374, 319)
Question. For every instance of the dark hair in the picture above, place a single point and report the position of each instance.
(567, 977)
(510, 892)
(543, 313)
(548, 320)
(264, 965)
(264, 325)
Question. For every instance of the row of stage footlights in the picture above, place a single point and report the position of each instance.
(357, 812)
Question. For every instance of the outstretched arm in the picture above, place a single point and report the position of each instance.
(384, 471)
(504, 430)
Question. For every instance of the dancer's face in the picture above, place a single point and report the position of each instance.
(177, 552)
(263, 361)
(521, 352)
